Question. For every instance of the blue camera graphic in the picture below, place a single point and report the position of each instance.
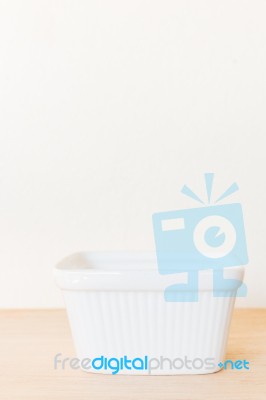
(189, 240)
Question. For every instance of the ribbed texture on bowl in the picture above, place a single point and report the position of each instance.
(114, 324)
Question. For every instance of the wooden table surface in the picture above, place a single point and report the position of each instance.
(29, 340)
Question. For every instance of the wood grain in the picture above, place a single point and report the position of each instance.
(29, 340)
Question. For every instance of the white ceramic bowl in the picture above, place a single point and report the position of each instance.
(116, 307)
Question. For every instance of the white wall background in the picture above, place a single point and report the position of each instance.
(107, 109)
